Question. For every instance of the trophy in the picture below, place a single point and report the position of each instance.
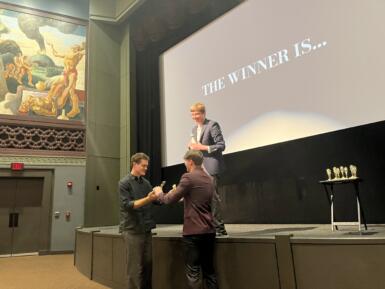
(329, 174)
(342, 172)
(346, 172)
(338, 173)
(335, 173)
(353, 171)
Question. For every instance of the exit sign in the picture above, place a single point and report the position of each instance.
(17, 166)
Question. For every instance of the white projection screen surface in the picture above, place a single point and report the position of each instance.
(271, 71)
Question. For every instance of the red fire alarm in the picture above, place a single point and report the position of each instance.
(17, 166)
(69, 184)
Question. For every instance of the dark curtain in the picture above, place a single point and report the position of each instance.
(147, 107)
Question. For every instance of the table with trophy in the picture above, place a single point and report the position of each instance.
(341, 176)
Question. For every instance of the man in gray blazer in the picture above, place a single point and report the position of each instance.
(207, 137)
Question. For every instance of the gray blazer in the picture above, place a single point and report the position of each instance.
(211, 136)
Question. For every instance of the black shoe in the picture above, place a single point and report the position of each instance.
(221, 234)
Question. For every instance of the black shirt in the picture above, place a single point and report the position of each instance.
(138, 220)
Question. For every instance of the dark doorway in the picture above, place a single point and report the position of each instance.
(20, 215)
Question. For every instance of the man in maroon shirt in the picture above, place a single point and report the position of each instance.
(197, 189)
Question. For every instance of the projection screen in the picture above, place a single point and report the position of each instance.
(270, 71)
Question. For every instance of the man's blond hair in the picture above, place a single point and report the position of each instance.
(200, 107)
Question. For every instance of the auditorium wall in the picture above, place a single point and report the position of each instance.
(64, 167)
(63, 199)
(108, 121)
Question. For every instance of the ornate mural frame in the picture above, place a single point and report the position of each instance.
(70, 130)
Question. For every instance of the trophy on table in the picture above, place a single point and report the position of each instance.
(329, 174)
(353, 171)
(341, 173)
(336, 173)
(346, 172)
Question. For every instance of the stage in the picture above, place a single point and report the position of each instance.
(266, 256)
(302, 231)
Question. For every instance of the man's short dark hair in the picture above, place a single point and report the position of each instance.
(136, 158)
(195, 156)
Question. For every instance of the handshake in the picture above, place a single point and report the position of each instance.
(157, 192)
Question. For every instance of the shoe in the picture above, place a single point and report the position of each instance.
(221, 234)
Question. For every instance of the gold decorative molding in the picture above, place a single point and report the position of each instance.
(32, 161)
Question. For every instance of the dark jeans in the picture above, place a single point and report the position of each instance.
(139, 260)
(199, 255)
(216, 208)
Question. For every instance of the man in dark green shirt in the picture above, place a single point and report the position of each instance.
(136, 222)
